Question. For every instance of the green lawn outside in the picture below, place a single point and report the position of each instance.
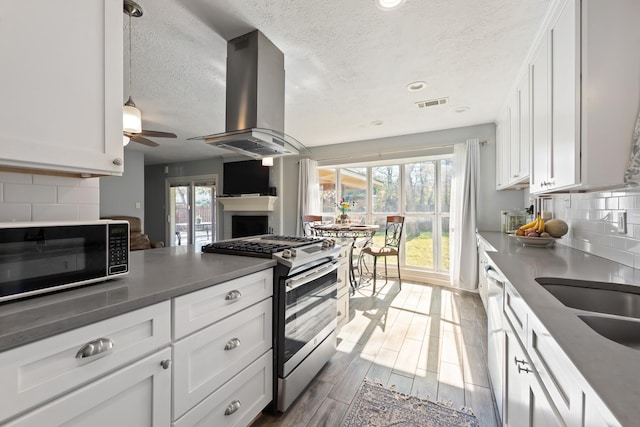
(419, 250)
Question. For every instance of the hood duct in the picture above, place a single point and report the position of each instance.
(255, 100)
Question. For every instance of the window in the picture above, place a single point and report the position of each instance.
(193, 210)
(419, 189)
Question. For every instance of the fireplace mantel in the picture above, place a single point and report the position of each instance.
(248, 203)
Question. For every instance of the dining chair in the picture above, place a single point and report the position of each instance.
(308, 221)
(392, 236)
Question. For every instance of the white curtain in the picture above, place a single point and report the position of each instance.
(464, 252)
(308, 191)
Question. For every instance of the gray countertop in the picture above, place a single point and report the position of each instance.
(611, 369)
(154, 275)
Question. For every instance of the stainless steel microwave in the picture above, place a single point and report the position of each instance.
(39, 257)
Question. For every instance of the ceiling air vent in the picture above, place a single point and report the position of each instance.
(431, 102)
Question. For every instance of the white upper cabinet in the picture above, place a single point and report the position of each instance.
(513, 135)
(62, 84)
(585, 95)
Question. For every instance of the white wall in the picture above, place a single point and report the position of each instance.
(27, 197)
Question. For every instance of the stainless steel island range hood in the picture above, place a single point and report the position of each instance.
(255, 100)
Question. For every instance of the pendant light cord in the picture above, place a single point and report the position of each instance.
(129, 54)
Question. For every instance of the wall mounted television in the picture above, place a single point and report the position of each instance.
(245, 177)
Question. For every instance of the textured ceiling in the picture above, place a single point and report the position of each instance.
(347, 65)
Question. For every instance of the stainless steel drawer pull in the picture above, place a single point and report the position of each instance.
(233, 343)
(233, 407)
(95, 347)
(233, 296)
(165, 364)
(518, 362)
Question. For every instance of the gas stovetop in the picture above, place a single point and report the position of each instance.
(259, 246)
(290, 251)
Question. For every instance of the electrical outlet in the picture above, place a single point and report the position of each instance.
(622, 222)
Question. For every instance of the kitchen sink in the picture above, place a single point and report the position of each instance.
(622, 331)
(600, 297)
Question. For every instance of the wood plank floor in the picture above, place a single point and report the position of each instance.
(424, 340)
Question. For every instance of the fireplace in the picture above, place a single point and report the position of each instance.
(249, 225)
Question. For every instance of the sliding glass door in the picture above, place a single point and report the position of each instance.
(192, 211)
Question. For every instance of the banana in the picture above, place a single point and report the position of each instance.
(532, 224)
(540, 226)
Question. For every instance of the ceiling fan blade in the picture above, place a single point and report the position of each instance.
(158, 134)
(142, 140)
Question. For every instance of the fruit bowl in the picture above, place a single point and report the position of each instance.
(540, 242)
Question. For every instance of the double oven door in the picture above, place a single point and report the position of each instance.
(308, 313)
(304, 328)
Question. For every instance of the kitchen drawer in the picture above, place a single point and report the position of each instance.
(250, 392)
(201, 308)
(137, 395)
(42, 370)
(516, 311)
(559, 376)
(207, 359)
(343, 277)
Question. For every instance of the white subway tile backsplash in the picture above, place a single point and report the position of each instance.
(56, 180)
(25, 197)
(11, 212)
(593, 224)
(90, 182)
(78, 195)
(88, 212)
(16, 178)
(29, 193)
(54, 212)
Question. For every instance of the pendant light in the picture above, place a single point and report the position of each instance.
(131, 118)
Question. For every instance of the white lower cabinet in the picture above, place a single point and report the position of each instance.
(207, 359)
(137, 395)
(526, 402)
(44, 370)
(222, 372)
(237, 402)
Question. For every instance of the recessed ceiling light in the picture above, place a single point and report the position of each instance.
(461, 109)
(388, 4)
(377, 122)
(416, 86)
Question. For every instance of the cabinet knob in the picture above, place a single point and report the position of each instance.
(165, 364)
(95, 347)
(339, 313)
(233, 343)
(117, 162)
(233, 407)
(233, 295)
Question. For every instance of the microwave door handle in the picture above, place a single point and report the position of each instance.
(313, 275)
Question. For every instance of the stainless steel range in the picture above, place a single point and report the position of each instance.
(305, 305)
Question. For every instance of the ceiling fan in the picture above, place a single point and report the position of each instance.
(132, 118)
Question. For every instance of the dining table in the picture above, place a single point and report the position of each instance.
(348, 231)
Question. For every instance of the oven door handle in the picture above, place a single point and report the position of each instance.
(311, 275)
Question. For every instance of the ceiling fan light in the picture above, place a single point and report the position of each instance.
(125, 140)
(131, 119)
(267, 161)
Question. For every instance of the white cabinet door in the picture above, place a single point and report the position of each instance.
(527, 403)
(138, 395)
(503, 143)
(524, 126)
(564, 155)
(61, 86)
(540, 116)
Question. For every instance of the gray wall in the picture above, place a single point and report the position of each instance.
(119, 194)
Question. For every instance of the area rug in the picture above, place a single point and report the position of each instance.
(376, 406)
